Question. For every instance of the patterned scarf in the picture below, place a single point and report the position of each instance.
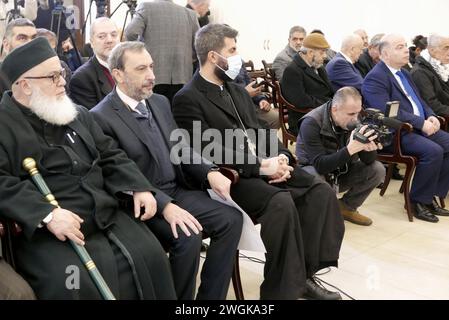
(441, 69)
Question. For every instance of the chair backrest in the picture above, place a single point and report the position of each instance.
(269, 72)
(283, 106)
(249, 65)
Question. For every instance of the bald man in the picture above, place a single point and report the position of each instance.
(341, 69)
(387, 81)
(93, 81)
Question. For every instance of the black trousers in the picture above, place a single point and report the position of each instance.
(222, 224)
(302, 233)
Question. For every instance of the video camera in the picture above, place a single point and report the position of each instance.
(380, 123)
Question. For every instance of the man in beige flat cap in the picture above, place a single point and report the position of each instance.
(305, 83)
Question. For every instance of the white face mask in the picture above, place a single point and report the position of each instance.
(234, 66)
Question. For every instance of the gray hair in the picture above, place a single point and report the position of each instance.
(45, 33)
(19, 22)
(434, 40)
(211, 38)
(198, 2)
(343, 94)
(375, 40)
(116, 60)
(296, 29)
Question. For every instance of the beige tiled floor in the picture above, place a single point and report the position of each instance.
(392, 259)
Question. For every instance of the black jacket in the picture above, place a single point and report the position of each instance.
(432, 88)
(117, 122)
(89, 84)
(365, 63)
(321, 146)
(200, 101)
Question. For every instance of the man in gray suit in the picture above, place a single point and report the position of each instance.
(285, 57)
(168, 31)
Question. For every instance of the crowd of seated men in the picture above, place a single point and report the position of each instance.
(101, 129)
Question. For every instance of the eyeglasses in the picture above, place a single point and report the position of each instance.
(55, 76)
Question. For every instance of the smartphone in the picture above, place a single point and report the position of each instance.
(257, 84)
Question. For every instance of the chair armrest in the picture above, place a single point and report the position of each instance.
(407, 127)
(231, 174)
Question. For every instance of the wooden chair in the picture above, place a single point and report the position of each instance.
(249, 65)
(410, 165)
(283, 106)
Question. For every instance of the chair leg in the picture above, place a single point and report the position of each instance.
(387, 178)
(406, 189)
(236, 281)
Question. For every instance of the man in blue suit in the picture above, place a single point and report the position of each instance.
(387, 81)
(341, 70)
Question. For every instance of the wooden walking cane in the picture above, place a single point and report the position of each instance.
(30, 165)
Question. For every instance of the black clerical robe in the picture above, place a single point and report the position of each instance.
(87, 176)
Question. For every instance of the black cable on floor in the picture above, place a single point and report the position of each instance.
(326, 271)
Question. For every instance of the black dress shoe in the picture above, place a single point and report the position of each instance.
(396, 175)
(422, 212)
(437, 210)
(316, 291)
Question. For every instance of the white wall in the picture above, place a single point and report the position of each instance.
(264, 24)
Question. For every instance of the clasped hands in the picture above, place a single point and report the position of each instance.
(277, 169)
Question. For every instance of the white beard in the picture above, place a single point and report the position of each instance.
(52, 110)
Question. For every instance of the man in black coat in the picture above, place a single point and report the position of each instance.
(146, 140)
(87, 176)
(301, 225)
(431, 73)
(92, 81)
(305, 83)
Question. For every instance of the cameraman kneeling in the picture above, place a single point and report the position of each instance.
(326, 148)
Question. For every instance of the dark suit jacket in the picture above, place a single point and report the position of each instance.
(303, 88)
(342, 73)
(432, 88)
(117, 121)
(365, 63)
(380, 86)
(89, 84)
(200, 101)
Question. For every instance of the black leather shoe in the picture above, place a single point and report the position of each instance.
(422, 212)
(437, 210)
(396, 175)
(316, 291)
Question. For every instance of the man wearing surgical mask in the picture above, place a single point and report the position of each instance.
(301, 224)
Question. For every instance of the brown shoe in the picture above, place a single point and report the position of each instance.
(354, 216)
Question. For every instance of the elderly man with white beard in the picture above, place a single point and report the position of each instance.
(87, 175)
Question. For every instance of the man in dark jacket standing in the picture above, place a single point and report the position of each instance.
(326, 148)
(301, 225)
